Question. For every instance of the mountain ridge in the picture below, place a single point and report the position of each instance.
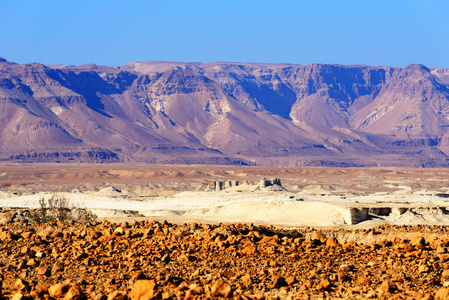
(242, 113)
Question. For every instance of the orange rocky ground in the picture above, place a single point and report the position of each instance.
(153, 260)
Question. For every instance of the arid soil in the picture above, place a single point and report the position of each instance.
(158, 260)
(145, 258)
(309, 197)
(159, 180)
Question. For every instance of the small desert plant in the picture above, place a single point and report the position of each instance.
(294, 233)
(57, 208)
(82, 215)
(41, 214)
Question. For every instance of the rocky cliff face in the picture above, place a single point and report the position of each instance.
(163, 112)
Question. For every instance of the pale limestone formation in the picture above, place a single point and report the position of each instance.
(219, 185)
(264, 182)
(352, 215)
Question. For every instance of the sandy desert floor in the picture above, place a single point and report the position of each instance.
(159, 180)
(312, 196)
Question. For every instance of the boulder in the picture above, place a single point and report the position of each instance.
(59, 290)
(143, 289)
(221, 288)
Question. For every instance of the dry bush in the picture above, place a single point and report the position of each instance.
(57, 208)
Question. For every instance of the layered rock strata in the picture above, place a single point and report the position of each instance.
(225, 113)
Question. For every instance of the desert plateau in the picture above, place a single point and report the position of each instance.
(242, 232)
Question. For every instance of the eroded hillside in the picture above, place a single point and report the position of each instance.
(224, 113)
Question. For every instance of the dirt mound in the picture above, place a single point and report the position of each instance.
(315, 190)
(364, 174)
(110, 191)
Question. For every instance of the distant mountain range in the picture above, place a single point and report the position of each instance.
(225, 113)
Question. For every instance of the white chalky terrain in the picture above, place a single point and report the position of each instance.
(258, 205)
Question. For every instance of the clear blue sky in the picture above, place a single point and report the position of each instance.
(109, 32)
